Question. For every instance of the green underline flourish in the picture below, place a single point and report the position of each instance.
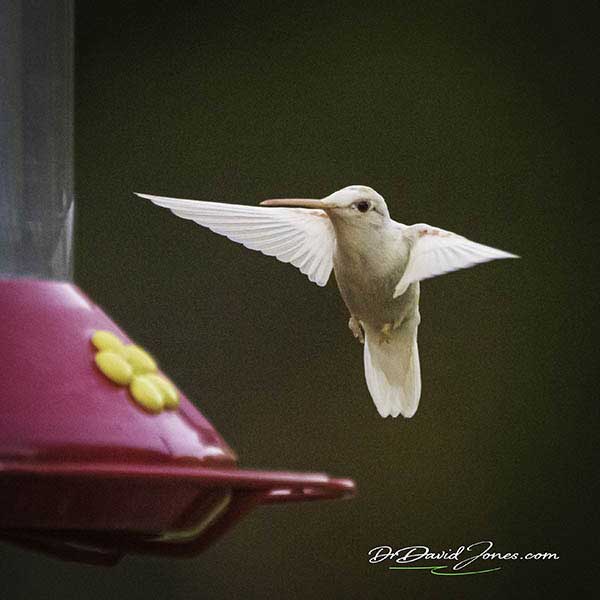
(438, 570)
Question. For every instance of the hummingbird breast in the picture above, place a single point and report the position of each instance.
(367, 274)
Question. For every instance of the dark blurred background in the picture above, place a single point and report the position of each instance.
(475, 117)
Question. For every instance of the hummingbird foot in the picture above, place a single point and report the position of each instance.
(386, 333)
(356, 329)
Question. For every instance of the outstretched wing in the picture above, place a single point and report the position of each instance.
(435, 251)
(300, 236)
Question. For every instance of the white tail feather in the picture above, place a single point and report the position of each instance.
(392, 372)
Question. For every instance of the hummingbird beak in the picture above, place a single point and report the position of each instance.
(298, 202)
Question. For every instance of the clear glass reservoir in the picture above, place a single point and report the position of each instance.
(36, 138)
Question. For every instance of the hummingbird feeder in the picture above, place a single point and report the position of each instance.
(100, 454)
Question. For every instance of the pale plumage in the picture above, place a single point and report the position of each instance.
(378, 264)
(435, 252)
(303, 238)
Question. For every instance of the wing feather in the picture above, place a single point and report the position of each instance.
(299, 236)
(435, 251)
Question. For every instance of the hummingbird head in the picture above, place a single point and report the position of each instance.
(355, 205)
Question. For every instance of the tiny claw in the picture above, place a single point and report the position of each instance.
(386, 333)
(356, 329)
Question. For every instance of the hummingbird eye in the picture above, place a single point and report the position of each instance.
(363, 206)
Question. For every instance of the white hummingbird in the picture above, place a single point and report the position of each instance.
(378, 265)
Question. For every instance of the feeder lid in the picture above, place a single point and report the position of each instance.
(59, 405)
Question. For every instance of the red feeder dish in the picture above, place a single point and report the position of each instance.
(100, 455)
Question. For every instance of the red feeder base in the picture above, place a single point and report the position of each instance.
(88, 474)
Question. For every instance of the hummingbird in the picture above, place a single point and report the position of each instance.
(378, 264)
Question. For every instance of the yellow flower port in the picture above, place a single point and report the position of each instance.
(131, 366)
